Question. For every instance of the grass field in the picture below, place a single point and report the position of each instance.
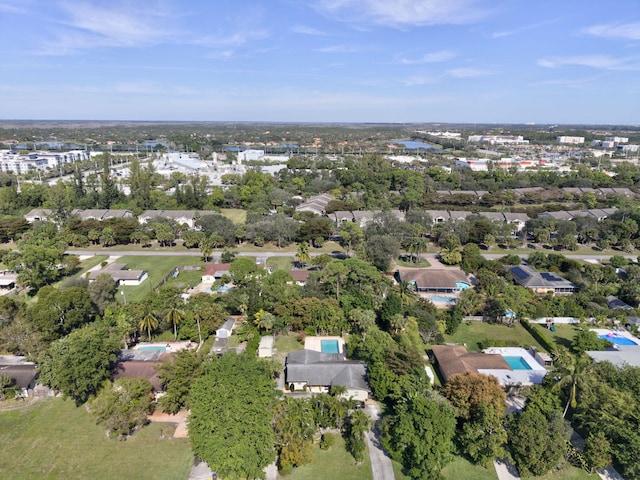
(236, 215)
(563, 335)
(53, 439)
(280, 263)
(333, 464)
(157, 267)
(474, 333)
(462, 469)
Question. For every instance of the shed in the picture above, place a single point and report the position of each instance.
(226, 329)
(265, 349)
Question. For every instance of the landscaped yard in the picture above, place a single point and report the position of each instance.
(474, 333)
(333, 464)
(157, 267)
(54, 439)
(280, 263)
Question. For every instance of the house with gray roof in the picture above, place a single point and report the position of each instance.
(181, 217)
(541, 282)
(316, 372)
(119, 273)
(316, 204)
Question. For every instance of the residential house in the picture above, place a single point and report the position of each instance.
(316, 204)
(214, 272)
(316, 372)
(8, 280)
(38, 215)
(542, 282)
(434, 280)
(300, 277)
(23, 373)
(180, 217)
(141, 364)
(102, 214)
(120, 275)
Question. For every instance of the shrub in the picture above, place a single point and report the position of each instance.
(327, 441)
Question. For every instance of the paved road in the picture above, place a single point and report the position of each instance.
(380, 461)
(266, 254)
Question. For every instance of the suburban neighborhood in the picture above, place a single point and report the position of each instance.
(380, 318)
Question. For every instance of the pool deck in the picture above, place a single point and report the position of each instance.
(315, 343)
(512, 377)
(618, 333)
(169, 347)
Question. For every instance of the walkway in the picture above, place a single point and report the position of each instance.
(180, 419)
(380, 460)
(505, 470)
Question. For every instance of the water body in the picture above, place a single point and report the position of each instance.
(413, 145)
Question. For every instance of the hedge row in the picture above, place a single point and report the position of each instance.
(539, 335)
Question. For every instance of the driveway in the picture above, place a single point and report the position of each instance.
(380, 460)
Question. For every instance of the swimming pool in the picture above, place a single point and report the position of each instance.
(160, 348)
(221, 288)
(619, 340)
(329, 346)
(517, 363)
(437, 298)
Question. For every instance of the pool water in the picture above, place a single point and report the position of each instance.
(329, 346)
(153, 347)
(436, 298)
(518, 363)
(619, 340)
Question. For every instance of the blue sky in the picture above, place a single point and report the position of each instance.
(512, 61)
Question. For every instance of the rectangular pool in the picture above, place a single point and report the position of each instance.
(518, 363)
(153, 347)
(329, 346)
(619, 340)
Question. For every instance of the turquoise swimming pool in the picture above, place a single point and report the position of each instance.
(619, 340)
(518, 363)
(437, 298)
(160, 348)
(329, 346)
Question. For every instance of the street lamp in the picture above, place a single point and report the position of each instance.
(123, 296)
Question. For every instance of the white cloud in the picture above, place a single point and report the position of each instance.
(467, 72)
(304, 30)
(601, 62)
(630, 31)
(340, 49)
(417, 80)
(524, 28)
(432, 57)
(400, 13)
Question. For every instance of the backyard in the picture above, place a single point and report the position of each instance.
(475, 334)
(55, 439)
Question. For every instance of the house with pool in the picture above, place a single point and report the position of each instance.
(322, 365)
(624, 348)
(449, 280)
(512, 366)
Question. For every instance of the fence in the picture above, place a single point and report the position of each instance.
(175, 272)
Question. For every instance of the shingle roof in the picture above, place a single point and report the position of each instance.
(432, 277)
(454, 360)
(350, 374)
(22, 374)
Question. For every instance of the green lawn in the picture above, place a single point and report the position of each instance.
(422, 263)
(474, 333)
(236, 215)
(54, 439)
(187, 279)
(287, 343)
(157, 267)
(280, 263)
(462, 469)
(563, 335)
(333, 464)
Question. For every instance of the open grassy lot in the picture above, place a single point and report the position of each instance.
(563, 335)
(236, 215)
(462, 469)
(287, 343)
(54, 439)
(280, 263)
(474, 333)
(335, 464)
(157, 267)
(186, 279)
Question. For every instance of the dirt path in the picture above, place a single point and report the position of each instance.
(180, 419)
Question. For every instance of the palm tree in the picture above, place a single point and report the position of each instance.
(206, 247)
(406, 291)
(175, 316)
(398, 322)
(302, 256)
(571, 371)
(149, 322)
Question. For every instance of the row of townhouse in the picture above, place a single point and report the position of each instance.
(363, 217)
(575, 191)
(181, 217)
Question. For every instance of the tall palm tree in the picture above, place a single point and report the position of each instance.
(571, 371)
(206, 247)
(149, 322)
(302, 256)
(175, 316)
